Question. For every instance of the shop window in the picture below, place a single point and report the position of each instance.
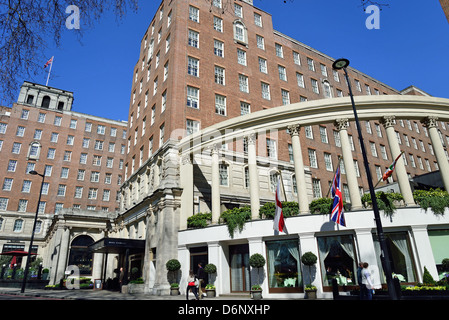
(337, 260)
(284, 273)
(439, 240)
(400, 256)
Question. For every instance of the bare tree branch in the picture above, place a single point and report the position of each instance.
(28, 27)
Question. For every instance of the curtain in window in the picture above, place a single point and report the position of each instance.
(400, 241)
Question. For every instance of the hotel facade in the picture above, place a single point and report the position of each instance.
(222, 105)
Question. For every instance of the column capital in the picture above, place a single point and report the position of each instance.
(186, 159)
(388, 121)
(342, 124)
(294, 129)
(251, 138)
(430, 121)
(214, 148)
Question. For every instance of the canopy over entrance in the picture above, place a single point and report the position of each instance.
(118, 246)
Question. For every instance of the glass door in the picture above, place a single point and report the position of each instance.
(240, 278)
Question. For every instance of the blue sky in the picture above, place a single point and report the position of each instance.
(411, 47)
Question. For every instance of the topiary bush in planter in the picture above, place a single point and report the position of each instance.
(257, 261)
(173, 266)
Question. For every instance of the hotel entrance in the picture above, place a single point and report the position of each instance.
(240, 276)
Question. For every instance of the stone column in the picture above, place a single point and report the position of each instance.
(186, 180)
(303, 200)
(424, 252)
(253, 176)
(63, 253)
(431, 124)
(401, 172)
(215, 186)
(351, 176)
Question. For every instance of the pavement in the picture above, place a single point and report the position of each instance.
(90, 294)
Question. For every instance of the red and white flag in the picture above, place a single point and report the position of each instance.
(279, 223)
(48, 62)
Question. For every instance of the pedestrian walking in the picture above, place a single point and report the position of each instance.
(201, 275)
(192, 284)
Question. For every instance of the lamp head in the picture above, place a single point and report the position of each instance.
(340, 64)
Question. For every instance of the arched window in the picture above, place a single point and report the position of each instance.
(18, 225)
(80, 255)
(327, 89)
(240, 32)
(34, 150)
(46, 102)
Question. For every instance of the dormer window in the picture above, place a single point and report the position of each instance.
(46, 102)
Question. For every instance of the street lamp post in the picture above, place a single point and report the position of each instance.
(385, 257)
(27, 266)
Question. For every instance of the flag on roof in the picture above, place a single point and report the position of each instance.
(48, 62)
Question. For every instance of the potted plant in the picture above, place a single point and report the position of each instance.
(257, 261)
(210, 269)
(173, 266)
(309, 259)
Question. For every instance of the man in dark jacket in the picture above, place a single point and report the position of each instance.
(201, 275)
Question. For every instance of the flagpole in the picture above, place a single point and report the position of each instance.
(330, 187)
(282, 183)
(49, 72)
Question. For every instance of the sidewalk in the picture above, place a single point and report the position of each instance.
(87, 294)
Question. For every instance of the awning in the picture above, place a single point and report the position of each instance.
(118, 246)
(16, 253)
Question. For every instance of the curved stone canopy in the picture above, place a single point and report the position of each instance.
(317, 112)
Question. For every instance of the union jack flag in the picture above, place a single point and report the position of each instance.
(337, 205)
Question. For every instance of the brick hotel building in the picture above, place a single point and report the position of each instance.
(81, 156)
(214, 91)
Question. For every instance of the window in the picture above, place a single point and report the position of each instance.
(285, 97)
(263, 65)
(92, 193)
(383, 152)
(61, 190)
(219, 75)
(243, 83)
(265, 91)
(161, 135)
(78, 192)
(18, 225)
(296, 58)
(337, 258)
(328, 161)
(240, 32)
(279, 50)
(34, 150)
(316, 188)
(193, 97)
(41, 118)
(83, 158)
(192, 67)
(309, 132)
(12, 164)
(64, 173)
(337, 139)
(312, 158)
(3, 204)
(7, 184)
(327, 89)
(257, 19)
(26, 186)
(101, 129)
(192, 126)
(16, 147)
(219, 48)
(282, 73)
(22, 207)
(70, 140)
(245, 108)
(271, 149)
(20, 131)
(284, 269)
(81, 174)
(194, 14)
(238, 10)
(315, 86)
(260, 42)
(3, 127)
(241, 57)
(218, 24)
(73, 123)
(25, 113)
(310, 64)
(224, 174)
(373, 149)
(54, 137)
(220, 104)
(194, 39)
(300, 80)
(95, 176)
(323, 135)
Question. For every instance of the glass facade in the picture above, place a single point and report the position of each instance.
(283, 264)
